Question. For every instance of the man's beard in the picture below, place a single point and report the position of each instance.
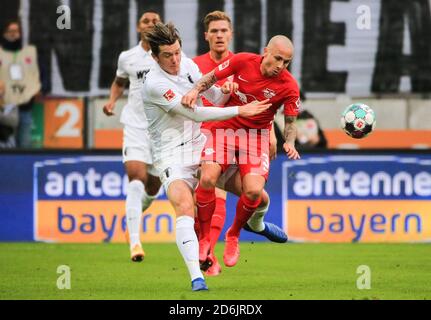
(11, 45)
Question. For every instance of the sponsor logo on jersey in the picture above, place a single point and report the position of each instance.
(142, 74)
(245, 98)
(298, 105)
(268, 93)
(224, 65)
(169, 95)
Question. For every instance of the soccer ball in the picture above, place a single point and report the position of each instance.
(358, 120)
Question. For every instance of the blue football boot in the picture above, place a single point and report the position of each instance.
(199, 285)
(272, 232)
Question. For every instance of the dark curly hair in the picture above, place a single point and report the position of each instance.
(162, 35)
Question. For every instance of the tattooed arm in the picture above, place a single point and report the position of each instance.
(206, 82)
(290, 136)
(117, 89)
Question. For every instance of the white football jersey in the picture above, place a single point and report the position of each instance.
(161, 93)
(134, 64)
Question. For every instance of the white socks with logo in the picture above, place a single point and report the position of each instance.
(188, 245)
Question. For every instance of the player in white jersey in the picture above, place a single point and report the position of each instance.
(144, 184)
(176, 137)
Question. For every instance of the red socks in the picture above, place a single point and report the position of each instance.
(244, 210)
(217, 221)
(206, 201)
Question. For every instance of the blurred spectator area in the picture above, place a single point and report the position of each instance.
(401, 123)
(80, 123)
(106, 132)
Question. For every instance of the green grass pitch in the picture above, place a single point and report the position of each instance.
(265, 271)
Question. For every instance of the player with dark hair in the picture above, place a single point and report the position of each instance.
(175, 133)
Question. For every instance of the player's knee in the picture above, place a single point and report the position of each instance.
(253, 194)
(184, 208)
(208, 180)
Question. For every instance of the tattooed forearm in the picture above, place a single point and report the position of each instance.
(290, 129)
(206, 82)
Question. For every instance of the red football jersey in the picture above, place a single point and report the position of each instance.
(207, 64)
(283, 91)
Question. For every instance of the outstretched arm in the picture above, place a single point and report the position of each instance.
(206, 82)
(117, 90)
(201, 114)
(290, 131)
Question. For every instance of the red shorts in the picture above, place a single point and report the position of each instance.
(249, 149)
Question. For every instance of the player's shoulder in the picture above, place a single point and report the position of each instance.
(188, 65)
(202, 58)
(289, 81)
(243, 60)
(187, 60)
(154, 75)
(153, 79)
(127, 54)
(246, 56)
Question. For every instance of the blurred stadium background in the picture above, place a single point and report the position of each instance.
(70, 187)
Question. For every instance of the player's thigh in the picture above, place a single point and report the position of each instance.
(210, 172)
(181, 197)
(137, 170)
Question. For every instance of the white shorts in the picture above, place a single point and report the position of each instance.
(184, 166)
(137, 147)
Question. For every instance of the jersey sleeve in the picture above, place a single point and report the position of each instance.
(121, 71)
(292, 105)
(162, 95)
(229, 67)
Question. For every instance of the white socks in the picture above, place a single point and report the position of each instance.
(188, 245)
(147, 200)
(135, 191)
(256, 220)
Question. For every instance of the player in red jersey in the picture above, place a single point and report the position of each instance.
(259, 78)
(218, 34)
